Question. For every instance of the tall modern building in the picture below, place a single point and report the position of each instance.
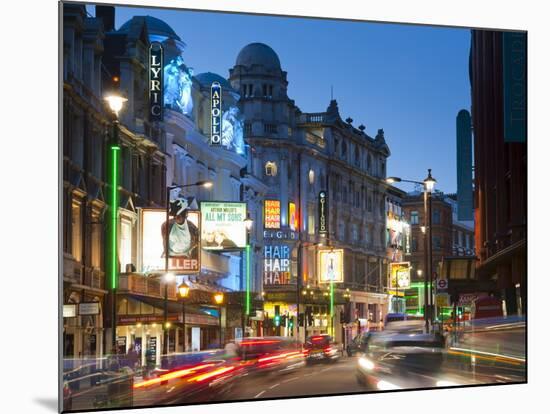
(465, 192)
(500, 163)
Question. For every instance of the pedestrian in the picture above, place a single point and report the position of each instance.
(132, 357)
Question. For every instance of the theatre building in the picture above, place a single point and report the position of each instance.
(150, 311)
(325, 200)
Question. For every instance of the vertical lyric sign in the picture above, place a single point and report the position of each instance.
(156, 81)
(216, 113)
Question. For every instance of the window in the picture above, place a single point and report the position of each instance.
(270, 169)
(311, 219)
(414, 217)
(437, 243)
(125, 243)
(414, 244)
(77, 230)
(270, 128)
(436, 217)
(369, 203)
(311, 176)
(96, 252)
(344, 149)
(369, 162)
(247, 129)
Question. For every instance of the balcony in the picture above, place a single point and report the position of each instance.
(137, 284)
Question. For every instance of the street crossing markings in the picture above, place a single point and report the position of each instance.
(259, 394)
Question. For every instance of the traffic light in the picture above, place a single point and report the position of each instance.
(277, 317)
(309, 316)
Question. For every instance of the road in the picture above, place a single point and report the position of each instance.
(317, 379)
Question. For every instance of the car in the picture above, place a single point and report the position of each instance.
(268, 354)
(403, 322)
(321, 348)
(398, 360)
(359, 344)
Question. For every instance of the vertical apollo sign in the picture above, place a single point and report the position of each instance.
(323, 214)
(156, 81)
(216, 114)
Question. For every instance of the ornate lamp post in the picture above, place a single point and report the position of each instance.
(218, 298)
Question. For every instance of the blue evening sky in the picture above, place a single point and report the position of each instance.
(409, 80)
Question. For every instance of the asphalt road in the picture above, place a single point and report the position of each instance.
(317, 379)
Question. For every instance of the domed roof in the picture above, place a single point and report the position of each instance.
(207, 78)
(154, 27)
(258, 54)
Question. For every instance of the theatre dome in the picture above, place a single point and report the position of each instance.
(258, 54)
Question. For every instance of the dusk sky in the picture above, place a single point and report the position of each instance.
(409, 80)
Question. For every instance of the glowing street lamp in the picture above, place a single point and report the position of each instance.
(218, 298)
(183, 291)
(116, 104)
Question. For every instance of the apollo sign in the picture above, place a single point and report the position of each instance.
(216, 114)
(156, 99)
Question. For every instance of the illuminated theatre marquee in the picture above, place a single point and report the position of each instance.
(156, 82)
(276, 264)
(216, 113)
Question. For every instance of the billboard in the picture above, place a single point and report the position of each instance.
(183, 241)
(277, 264)
(331, 265)
(222, 225)
(272, 214)
(292, 216)
(400, 275)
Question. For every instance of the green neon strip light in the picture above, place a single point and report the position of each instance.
(114, 214)
(332, 306)
(248, 279)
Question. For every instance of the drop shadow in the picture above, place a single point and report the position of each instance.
(49, 403)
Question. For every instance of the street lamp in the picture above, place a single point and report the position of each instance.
(115, 103)
(202, 183)
(248, 223)
(218, 298)
(183, 290)
(429, 185)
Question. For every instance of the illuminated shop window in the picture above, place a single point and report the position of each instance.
(270, 169)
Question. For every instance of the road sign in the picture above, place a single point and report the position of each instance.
(441, 284)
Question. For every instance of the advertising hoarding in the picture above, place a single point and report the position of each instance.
(400, 275)
(184, 241)
(292, 216)
(222, 225)
(331, 265)
(272, 214)
(277, 265)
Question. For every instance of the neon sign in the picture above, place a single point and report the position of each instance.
(215, 113)
(156, 99)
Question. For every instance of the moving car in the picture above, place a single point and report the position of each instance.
(269, 354)
(321, 348)
(403, 322)
(359, 344)
(402, 360)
